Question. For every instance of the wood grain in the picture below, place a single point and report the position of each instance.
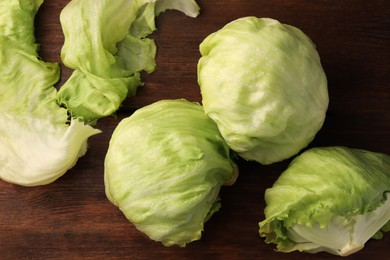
(72, 219)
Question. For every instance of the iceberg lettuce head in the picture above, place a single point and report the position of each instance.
(329, 199)
(263, 84)
(164, 169)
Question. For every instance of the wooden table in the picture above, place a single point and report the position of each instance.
(72, 219)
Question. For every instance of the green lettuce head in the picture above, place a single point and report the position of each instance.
(263, 84)
(164, 169)
(330, 199)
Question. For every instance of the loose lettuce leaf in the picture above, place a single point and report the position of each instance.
(329, 199)
(164, 168)
(106, 45)
(37, 142)
(263, 84)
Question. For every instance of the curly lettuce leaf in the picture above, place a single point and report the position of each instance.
(106, 45)
(164, 169)
(330, 199)
(38, 144)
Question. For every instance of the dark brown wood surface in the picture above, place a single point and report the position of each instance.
(72, 219)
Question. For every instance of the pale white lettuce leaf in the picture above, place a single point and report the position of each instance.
(38, 142)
